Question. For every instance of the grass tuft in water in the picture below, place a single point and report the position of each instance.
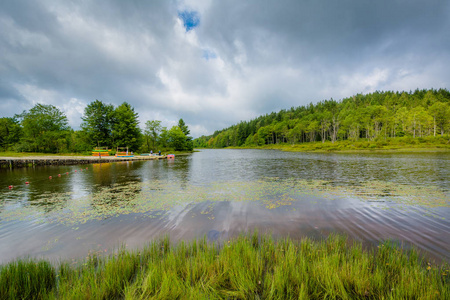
(248, 267)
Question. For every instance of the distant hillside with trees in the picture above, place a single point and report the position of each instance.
(374, 116)
(45, 129)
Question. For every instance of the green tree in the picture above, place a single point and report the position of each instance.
(177, 138)
(183, 127)
(379, 115)
(45, 127)
(151, 134)
(441, 116)
(126, 131)
(79, 142)
(98, 121)
(201, 142)
(164, 138)
(312, 130)
(325, 124)
(264, 134)
(375, 115)
(189, 145)
(10, 132)
(420, 120)
(401, 119)
(297, 132)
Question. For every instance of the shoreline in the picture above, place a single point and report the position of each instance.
(368, 151)
(48, 160)
(320, 148)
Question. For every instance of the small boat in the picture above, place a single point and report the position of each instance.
(170, 155)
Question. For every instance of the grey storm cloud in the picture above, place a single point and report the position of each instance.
(214, 63)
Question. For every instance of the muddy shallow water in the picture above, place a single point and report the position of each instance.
(218, 194)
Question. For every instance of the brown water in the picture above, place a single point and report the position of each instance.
(221, 193)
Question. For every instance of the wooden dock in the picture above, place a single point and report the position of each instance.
(20, 162)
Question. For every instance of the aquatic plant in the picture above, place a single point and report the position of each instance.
(250, 266)
(155, 198)
(26, 279)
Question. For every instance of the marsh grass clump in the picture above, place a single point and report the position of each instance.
(26, 279)
(248, 267)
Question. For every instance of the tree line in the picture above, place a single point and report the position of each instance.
(374, 116)
(44, 128)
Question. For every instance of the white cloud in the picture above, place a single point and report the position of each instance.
(37, 95)
(243, 59)
(74, 110)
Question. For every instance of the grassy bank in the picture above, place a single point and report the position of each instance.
(249, 267)
(403, 144)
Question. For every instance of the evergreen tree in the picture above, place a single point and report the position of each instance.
(188, 144)
(183, 127)
(126, 131)
(98, 120)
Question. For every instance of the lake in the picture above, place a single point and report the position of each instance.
(219, 194)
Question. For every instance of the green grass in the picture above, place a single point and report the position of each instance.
(401, 144)
(248, 267)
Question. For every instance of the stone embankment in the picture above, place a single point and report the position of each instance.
(19, 162)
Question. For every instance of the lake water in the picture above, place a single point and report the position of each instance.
(218, 194)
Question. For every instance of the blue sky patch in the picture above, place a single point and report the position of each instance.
(208, 54)
(191, 19)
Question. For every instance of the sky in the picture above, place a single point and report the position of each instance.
(215, 63)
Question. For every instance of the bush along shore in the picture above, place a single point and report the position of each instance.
(248, 267)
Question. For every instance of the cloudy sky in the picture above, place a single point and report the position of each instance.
(214, 63)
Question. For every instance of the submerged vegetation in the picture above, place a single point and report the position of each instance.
(376, 120)
(248, 267)
(156, 198)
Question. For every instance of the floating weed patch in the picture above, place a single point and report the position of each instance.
(429, 196)
(247, 267)
(154, 198)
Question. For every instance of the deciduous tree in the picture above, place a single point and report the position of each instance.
(10, 132)
(151, 134)
(45, 128)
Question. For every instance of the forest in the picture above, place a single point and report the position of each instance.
(371, 117)
(45, 129)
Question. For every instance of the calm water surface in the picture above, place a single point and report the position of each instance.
(221, 193)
